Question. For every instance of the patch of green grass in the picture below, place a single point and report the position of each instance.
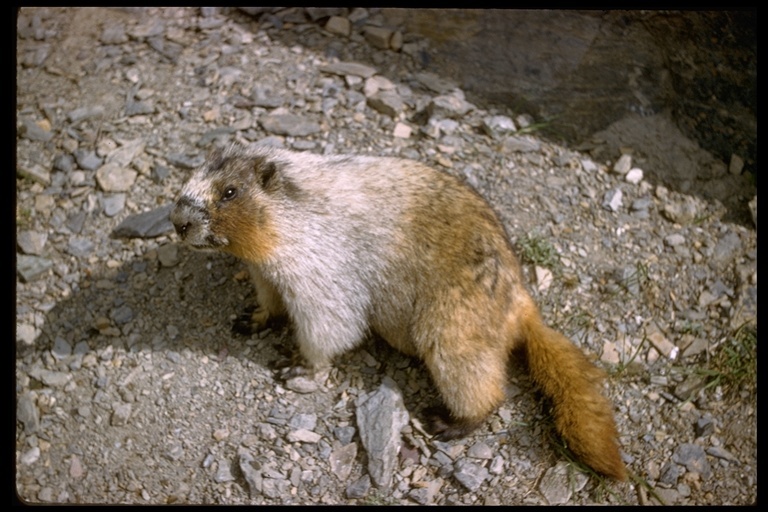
(537, 250)
(734, 363)
(376, 498)
(23, 217)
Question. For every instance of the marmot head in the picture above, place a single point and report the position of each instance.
(228, 204)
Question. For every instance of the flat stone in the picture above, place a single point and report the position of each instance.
(519, 144)
(378, 36)
(31, 242)
(34, 172)
(112, 204)
(339, 26)
(348, 68)
(623, 164)
(80, 114)
(185, 161)
(149, 224)
(386, 102)
(289, 124)
(87, 160)
(470, 475)
(30, 267)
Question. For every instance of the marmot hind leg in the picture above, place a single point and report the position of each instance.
(470, 373)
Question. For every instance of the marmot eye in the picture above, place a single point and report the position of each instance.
(229, 193)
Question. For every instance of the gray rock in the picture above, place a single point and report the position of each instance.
(435, 83)
(612, 200)
(61, 349)
(670, 473)
(342, 459)
(622, 165)
(289, 124)
(149, 224)
(275, 487)
(558, 483)
(339, 26)
(690, 386)
(470, 475)
(75, 221)
(682, 212)
(303, 435)
(223, 472)
(378, 36)
(722, 453)
(251, 472)
(318, 13)
(302, 384)
(83, 113)
(726, 249)
(359, 488)
(216, 133)
(306, 421)
(87, 160)
(519, 144)
(160, 173)
(112, 204)
(674, 239)
(344, 434)
(30, 268)
(120, 414)
(168, 255)
(425, 495)
(453, 106)
(693, 457)
(125, 154)
(386, 102)
(26, 334)
(64, 163)
(34, 172)
(495, 126)
(138, 108)
(27, 414)
(114, 34)
(31, 242)
(641, 204)
(50, 378)
(32, 131)
(348, 68)
(185, 161)
(210, 23)
(381, 415)
(122, 314)
(147, 28)
(80, 247)
(480, 450)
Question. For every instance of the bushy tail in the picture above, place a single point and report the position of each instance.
(583, 416)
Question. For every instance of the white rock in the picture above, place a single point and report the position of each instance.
(634, 176)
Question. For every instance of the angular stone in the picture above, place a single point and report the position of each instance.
(348, 68)
(378, 36)
(30, 268)
(149, 224)
(31, 242)
(339, 26)
(289, 124)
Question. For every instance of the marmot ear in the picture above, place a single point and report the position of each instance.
(267, 174)
(272, 179)
(215, 159)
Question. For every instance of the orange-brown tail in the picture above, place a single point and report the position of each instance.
(583, 416)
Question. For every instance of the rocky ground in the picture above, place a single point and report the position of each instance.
(130, 386)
